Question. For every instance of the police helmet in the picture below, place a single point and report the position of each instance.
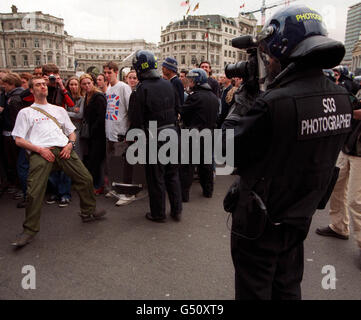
(198, 75)
(342, 70)
(145, 63)
(298, 32)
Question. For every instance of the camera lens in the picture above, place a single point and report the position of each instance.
(238, 69)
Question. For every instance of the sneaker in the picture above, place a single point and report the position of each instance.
(112, 194)
(12, 189)
(97, 215)
(123, 200)
(328, 232)
(22, 240)
(18, 195)
(64, 202)
(99, 191)
(52, 199)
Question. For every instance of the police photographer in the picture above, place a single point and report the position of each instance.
(286, 147)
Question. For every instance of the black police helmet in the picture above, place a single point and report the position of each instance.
(298, 33)
(145, 64)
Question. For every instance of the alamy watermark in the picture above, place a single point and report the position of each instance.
(29, 281)
(190, 143)
(329, 280)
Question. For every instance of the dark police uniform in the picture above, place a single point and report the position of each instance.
(156, 100)
(286, 148)
(199, 112)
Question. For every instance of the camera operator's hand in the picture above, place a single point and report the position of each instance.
(59, 82)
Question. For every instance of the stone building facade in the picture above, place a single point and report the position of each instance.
(32, 39)
(207, 37)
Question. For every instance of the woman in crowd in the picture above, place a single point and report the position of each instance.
(76, 112)
(94, 115)
(131, 79)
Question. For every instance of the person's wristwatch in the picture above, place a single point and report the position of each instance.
(72, 143)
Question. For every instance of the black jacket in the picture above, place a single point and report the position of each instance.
(94, 115)
(13, 105)
(201, 109)
(287, 145)
(179, 88)
(153, 100)
(215, 86)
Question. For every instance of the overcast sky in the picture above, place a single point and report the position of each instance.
(143, 19)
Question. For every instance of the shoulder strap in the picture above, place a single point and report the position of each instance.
(48, 115)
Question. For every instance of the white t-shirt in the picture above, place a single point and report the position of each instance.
(116, 117)
(40, 130)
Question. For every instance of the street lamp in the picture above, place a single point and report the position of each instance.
(208, 28)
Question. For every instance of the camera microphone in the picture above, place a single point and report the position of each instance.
(244, 42)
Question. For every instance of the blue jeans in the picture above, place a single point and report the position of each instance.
(60, 184)
(23, 169)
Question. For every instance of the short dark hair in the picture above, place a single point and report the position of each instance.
(205, 61)
(50, 68)
(26, 75)
(31, 81)
(184, 71)
(111, 65)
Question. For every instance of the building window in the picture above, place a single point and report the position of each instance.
(50, 58)
(167, 38)
(183, 47)
(193, 47)
(47, 27)
(225, 41)
(12, 43)
(175, 36)
(230, 42)
(58, 60)
(175, 48)
(230, 54)
(37, 60)
(69, 63)
(68, 49)
(230, 30)
(194, 35)
(56, 29)
(50, 44)
(36, 43)
(203, 47)
(183, 59)
(163, 49)
(167, 49)
(57, 45)
(194, 60)
(25, 60)
(183, 35)
(217, 60)
(38, 25)
(13, 61)
(23, 43)
(11, 26)
(234, 55)
(226, 29)
(225, 53)
(234, 32)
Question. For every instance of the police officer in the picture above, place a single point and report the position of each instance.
(199, 112)
(155, 100)
(286, 148)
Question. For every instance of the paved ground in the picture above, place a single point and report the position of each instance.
(128, 257)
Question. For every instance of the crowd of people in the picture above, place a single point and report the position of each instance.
(102, 110)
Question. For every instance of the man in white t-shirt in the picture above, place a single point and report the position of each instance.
(116, 126)
(47, 133)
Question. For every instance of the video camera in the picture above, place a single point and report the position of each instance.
(247, 70)
(241, 68)
(52, 78)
